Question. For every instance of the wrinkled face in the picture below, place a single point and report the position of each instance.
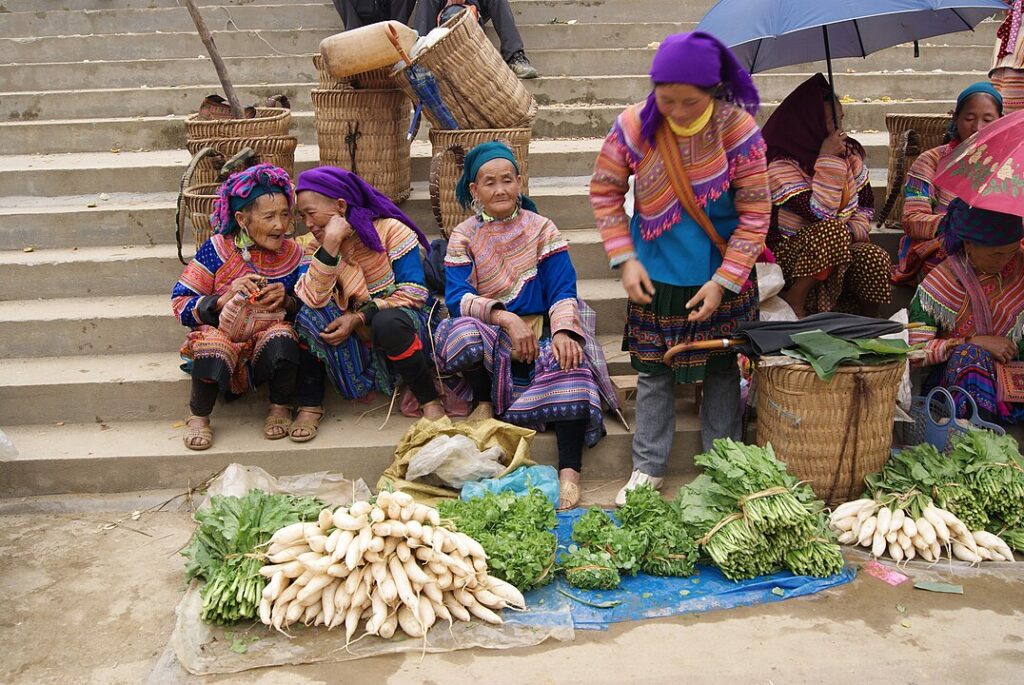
(991, 260)
(830, 121)
(978, 111)
(315, 210)
(497, 188)
(681, 103)
(268, 220)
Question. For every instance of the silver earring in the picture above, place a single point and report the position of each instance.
(478, 207)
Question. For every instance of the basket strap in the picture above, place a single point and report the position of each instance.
(852, 428)
(186, 181)
(904, 142)
(459, 153)
(352, 140)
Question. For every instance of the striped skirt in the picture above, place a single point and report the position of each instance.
(974, 370)
(1010, 83)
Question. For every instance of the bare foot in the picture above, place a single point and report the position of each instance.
(483, 411)
(198, 435)
(433, 410)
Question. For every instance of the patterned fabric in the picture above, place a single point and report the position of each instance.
(247, 184)
(966, 224)
(393, 278)
(727, 157)
(521, 265)
(1009, 51)
(210, 273)
(924, 207)
(814, 249)
(545, 392)
(834, 179)
(1010, 83)
(942, 305)
(974, 369)
(651, 329)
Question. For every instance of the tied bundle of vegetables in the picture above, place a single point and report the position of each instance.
(668, 548)
(597, 530)
(514, 531)
(995, 472)
(390, 562)
(225, 549)
(590, 569)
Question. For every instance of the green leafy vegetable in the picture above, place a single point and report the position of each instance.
(590, 569)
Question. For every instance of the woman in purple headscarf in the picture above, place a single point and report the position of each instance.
(363, 318)
(686, 256)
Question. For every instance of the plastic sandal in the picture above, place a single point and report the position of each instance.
(276, 427)
(311, 427)
(204, 434)
(569, 494)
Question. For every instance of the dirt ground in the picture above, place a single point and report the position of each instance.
(88, 602)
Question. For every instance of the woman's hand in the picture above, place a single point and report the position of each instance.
(243, 285)
(524, 342)
(708, 297)
(637, 283)
(272, 297)
(337, 229)
(568, 352)
(1003, 349)
(834, 144)
(339, 330)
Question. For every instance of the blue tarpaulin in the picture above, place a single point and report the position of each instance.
(643, 596)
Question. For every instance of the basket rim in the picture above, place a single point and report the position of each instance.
(456, 131)
(455, 22)
(848, 368)
(274, 114)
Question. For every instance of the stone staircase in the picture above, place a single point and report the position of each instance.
(93, 97)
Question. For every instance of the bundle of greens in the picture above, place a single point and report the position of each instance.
(751, 517)
(994, 470)
(590, 568)
(226, 549)
(825, 352)
(514, 531)
(668, 548)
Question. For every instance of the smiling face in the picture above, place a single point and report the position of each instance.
(268, 220)
(497, 188)
(978, 111)
(316, 210)
(991, 260)
(681, 103)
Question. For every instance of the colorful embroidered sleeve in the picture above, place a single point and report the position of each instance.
(920, 221)
(748, 171)
(404, 256)
(558, 277)
(190, 298)
(460, 296)
(608, 188)
(317, 283)
(937, 349)
(859, 223)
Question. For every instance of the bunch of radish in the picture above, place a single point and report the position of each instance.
(897, 532)
(389, 562)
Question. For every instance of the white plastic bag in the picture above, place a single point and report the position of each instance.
(331, 487)
(7, 448)
(456, 460)
(903, 397)
(770, 280)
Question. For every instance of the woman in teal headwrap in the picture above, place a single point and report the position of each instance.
(519, 336)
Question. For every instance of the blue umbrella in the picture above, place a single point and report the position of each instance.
(767, 34)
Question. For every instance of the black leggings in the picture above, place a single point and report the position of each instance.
(568, 434)
(394, 334)
(277, 366)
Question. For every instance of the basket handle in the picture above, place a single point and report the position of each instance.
(186, 181)
(908, 143)
(457, 151)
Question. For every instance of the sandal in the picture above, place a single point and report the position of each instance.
(197, 438)
(311, 427)
(568, 494)
(276, 427)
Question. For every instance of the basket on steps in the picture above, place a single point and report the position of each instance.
(276, 150)
(475, 83)
(268, 122)
(829, 433)
(197, 206)
(448, 150)
(909, 136)
(378, 79)
(364, 131)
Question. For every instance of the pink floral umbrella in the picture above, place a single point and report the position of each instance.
(987, 169)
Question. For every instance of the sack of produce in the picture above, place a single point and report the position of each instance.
(456, 460)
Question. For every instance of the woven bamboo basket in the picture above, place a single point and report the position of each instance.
(830, 434)
(269, 122)
(197, 206)
(364, 131)
(909, 136)
(378, 79)
(448, 150)
(279, 151)
(476, 85)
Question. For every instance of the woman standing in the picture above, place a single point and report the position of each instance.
(925, 204)
(519, 336)
(236, 295)
(1007, 72)
(823, 205)
(972, 309)
(702, 212)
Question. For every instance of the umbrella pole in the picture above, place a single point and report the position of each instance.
(831, 82)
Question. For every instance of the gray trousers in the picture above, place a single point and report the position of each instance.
(498, 12)
(720, 415)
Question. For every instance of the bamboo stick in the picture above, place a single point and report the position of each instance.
(218, 62)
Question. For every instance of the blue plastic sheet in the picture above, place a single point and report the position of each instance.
(643, 596)
(544, 478)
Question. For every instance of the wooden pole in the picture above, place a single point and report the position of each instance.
(218, 62)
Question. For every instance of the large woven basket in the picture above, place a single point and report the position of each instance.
(364, 131)
(378, 79)
(830, 434)
(909, 136)
(448, 149)
(477, 86)
(197, 206)
(268, 122)
(279, 151)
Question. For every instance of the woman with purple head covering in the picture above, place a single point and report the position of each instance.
(686, 256)
(363, 318)
(971, 310)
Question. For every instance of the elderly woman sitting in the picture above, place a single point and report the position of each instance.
(972, 310)
(363, 297)
(519, 336)
(235, 296)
